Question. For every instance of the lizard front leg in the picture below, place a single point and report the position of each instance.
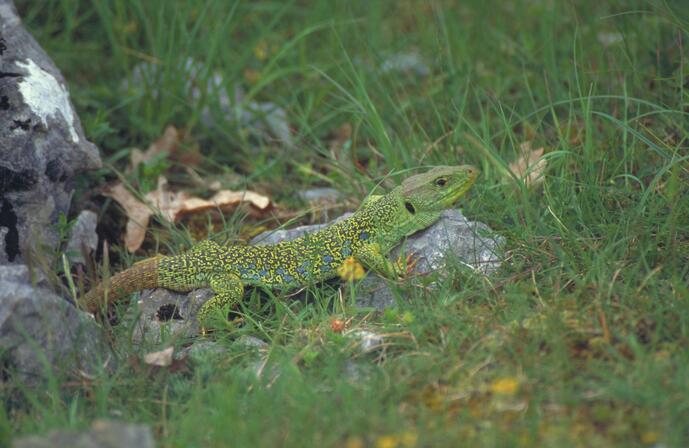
(228, 290)
(374, 259)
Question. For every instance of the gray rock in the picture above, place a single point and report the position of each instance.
(356, 372)
(453, 239)
(410, 62)
(201, 351)
(83, 235)
(102, 434)
(368, 341)
(42, 144)
(163, 314)
(250, 342)
(40, 331)
(319, 195)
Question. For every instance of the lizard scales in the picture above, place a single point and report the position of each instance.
(367, 236)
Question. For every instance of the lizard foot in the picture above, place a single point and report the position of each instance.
(405, 266)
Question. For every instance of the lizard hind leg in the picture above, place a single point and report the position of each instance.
(228, 291)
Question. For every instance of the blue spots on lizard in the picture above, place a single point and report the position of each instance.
(363, 236)
(288, 278)
(327, 259)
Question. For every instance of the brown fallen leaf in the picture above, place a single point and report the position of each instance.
(173, 206)
(168, 142)
(138, 215)
(529, 166)
(162, 358)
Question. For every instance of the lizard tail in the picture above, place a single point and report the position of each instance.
(141, 275)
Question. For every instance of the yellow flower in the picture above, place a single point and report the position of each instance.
(507, 385)
(350, 270)
(354, 442)
(261, 50)
(406, 439)
(387, 442)
(649, 437)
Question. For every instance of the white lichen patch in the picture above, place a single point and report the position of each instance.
(46, 96)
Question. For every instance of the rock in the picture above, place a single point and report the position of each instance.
(103, 434)
(368, 341)
(41, 331)
(201, 351)
(83, 235)
(42, 144)
(319, 195)
(18, 273)
(165, 313)
(453, 239)
(250, 342)
(410, 62)
(356, 372)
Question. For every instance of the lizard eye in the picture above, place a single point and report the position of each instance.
(410, 207)
(441, 181)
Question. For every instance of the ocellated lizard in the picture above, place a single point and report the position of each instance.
(381, 223)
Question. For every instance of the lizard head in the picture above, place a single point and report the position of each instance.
(423, 197)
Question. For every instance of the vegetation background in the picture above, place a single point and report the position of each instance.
(580, 339)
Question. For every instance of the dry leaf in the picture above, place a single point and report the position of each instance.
(137, 212)
(529, 166)
(168, 142)
(162, 358)
(173, 206)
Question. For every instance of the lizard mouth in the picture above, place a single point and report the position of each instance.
(464, 186)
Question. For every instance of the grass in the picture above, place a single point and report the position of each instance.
(580, 339)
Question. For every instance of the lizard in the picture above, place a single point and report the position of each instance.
(380, 223)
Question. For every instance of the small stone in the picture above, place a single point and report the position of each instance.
(83, 235)
(368, 341)
(410, 62)
(166, 314)
(201, 351)
(102, 434)
(250, 342)
(319, 195)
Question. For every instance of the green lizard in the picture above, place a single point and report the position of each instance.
(381, 223)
